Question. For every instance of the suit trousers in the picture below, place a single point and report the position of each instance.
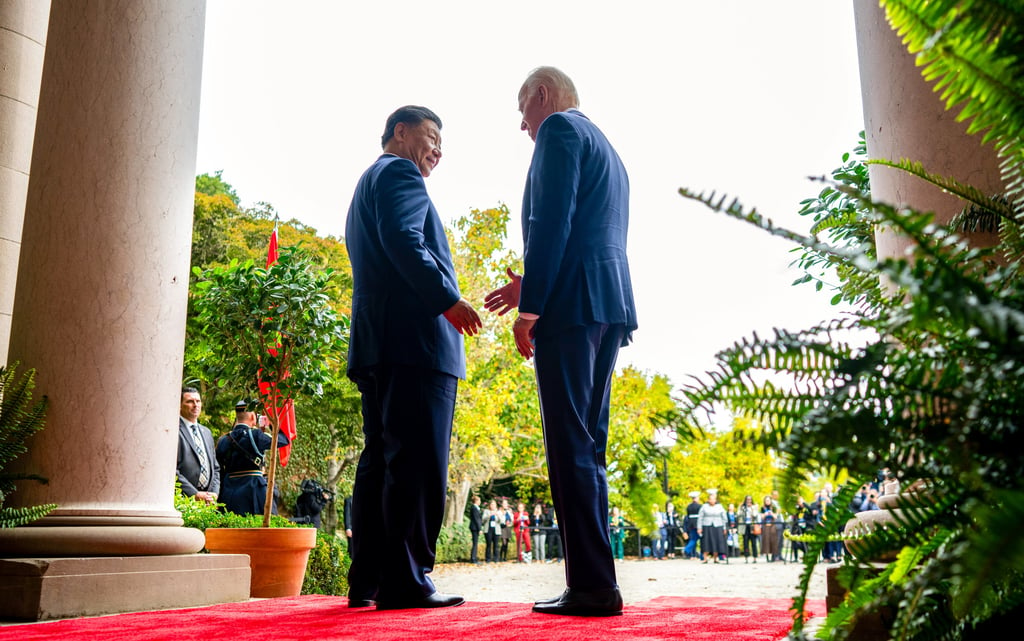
(574, 372)
(401, 480)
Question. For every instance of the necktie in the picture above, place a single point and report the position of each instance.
(204, 464)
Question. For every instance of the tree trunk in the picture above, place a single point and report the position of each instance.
(455, 507)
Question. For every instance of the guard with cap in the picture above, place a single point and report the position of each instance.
(241, 453)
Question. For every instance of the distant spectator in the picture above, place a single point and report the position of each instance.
(507, 519)
(538, 528)
(891, 484)
(657, 533)
(555, 541)
(859, 499)
(521, 527)
(476, 521)
(617, 533)
(872, 501)
(711, 522)
(748, 523)
(771, 526)
(493, 520)
(692, 510)
(310, 503)
(672, 529)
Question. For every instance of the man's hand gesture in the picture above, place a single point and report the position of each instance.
(464, 318)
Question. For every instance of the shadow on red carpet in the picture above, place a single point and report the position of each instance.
(325, 618)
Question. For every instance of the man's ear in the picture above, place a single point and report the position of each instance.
(400, 130)
(542, 94)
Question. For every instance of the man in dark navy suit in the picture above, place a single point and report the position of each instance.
(406, 356)
(575, 304)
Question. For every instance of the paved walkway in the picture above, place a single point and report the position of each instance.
(639, 580)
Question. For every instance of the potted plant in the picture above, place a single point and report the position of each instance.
(274, 329)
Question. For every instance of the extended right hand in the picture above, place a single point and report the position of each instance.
(506, 297)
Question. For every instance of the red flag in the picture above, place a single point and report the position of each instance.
(272, 250)
(286, 419)
(284, 416)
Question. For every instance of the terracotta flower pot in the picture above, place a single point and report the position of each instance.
(277, 556)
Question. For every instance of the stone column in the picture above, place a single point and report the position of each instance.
(100, 305)
(22, 40)
(905, 118)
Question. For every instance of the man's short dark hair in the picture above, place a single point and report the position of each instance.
(409, 115)
(188, 390)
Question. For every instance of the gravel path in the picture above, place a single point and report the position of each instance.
(638, 580)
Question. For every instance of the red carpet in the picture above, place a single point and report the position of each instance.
(324, 618)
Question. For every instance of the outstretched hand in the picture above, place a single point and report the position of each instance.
(506, 297)
(464, 318)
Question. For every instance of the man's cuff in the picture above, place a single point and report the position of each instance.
(528, 316)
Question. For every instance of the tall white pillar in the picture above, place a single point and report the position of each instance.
(22, 42)
(905, 118)
(100, 310)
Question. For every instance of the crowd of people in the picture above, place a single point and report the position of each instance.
(710, 531)
(707, 531)
(535, 532)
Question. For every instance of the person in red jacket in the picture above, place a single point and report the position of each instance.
(521, 523)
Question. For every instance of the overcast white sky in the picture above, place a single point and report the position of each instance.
(744, 97)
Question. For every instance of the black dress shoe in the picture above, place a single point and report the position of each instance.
(590, 603)
(361, 603)
(435, 600)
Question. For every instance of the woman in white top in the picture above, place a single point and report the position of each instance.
(711, 522)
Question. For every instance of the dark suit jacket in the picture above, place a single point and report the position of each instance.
(403, 276)
(475, 518)
(188, 460)
(575, 270)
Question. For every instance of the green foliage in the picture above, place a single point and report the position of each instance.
(454, 543)
(215, 185)
(214, 211)
(327, 569)
(20, 418)
(272, 325)
(497, 429)
(329, 422)
(924, 376)
(724, 461)
(202, 515)
(837, 217)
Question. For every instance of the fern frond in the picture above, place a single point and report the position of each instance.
(19, 416)
(995, 205)
(18, 516)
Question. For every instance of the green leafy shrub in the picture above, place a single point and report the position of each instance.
(327, 568)
(453, 543)
(202, 515)
(327, 571)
